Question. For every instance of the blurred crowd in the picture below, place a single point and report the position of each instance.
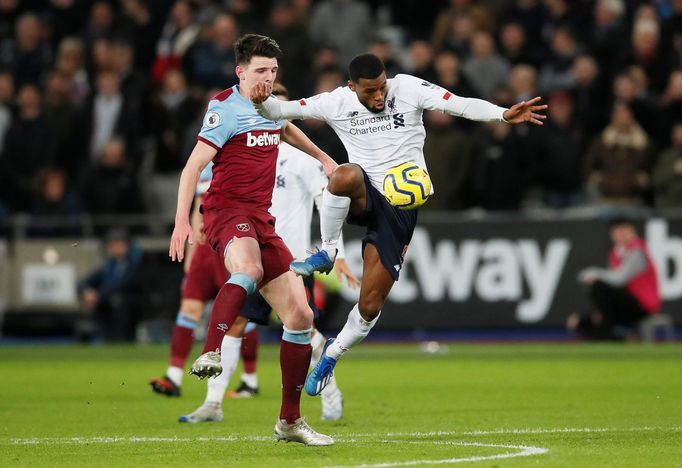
(101, 101)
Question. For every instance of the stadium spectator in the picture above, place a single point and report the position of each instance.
(28, 56)
(645, 50)
(643, 109)
(210, 61)
(173, 115)
(622, 294)
(590, 94)
(100, 23)
(421, 60)
(248, 17)
(557, 153)
(54, 199)
(667, 174)
(523, 81)
(178, 35)
(530, 14)
(555, 74)
(107, 113)
(30, 144)
(383, 49)
(608, 33)
(110, 186)
(515, 48)
(62, 117)
(485, 69)
(457, 36)
(71, 62)
(110, 294)
(343, 24)
(480, 16)
(133, 83)
(618, 160)
(138, 26)
(500, 173)
(293, 37)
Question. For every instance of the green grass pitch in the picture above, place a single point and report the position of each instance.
(492, 405)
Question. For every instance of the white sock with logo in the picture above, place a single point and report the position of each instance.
(354, 331)
(332, 216)
(229, 357)
(317, 342)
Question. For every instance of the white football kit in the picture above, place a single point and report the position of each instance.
(299, 183)
(379, 141)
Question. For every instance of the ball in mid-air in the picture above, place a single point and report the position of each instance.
(407, 186)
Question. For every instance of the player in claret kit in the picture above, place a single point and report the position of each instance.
(379, 121)
(244, 147)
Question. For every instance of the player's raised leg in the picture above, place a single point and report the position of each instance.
(243, 261)
(286, 295)
(376, 284)
(345, 191)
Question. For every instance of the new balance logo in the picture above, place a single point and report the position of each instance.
(353, 114)
(398, 120)
(264, 139)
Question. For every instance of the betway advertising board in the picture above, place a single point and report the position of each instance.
(508, 274)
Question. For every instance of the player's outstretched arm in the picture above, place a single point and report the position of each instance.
(200, 157)
(296, 138)
(272, 108)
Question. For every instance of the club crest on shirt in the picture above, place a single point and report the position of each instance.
(391, 104)
(243, 227)
(212, 120)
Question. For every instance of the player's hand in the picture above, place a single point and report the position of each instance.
(260, 92)
(526, 111)
(343, 272)
(181, 233)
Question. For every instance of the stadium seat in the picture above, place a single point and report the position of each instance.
(649, 326)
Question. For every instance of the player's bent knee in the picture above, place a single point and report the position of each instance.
(344, 179)
(253, 271)
(301, 318)
(370, 308)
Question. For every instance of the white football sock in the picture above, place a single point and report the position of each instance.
(250, 379)
(354, 331)
(332, 216)
(331, 387)
(229, 357)
(317, 342)
(175, 375)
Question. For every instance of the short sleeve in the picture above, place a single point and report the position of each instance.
(219, 125)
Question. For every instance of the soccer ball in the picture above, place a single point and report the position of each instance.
(407, 186)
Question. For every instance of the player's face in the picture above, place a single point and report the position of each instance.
(371, 92)
(623, 234)
(258, 70)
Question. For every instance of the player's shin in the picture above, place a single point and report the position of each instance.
(354, 331)
(229, 357)
(182, 340)
(294, 358)
(226, 308)
(332, 216)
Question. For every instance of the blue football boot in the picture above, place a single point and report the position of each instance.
(322, 373)
(319, 261)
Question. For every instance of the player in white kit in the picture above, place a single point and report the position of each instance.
(379, 121)
(299, 182)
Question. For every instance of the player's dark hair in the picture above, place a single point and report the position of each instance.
(278, 89)
(367, 66)
(255, 45)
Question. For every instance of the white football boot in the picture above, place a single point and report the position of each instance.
(207, 365)
(299, 431)
(208, 412)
